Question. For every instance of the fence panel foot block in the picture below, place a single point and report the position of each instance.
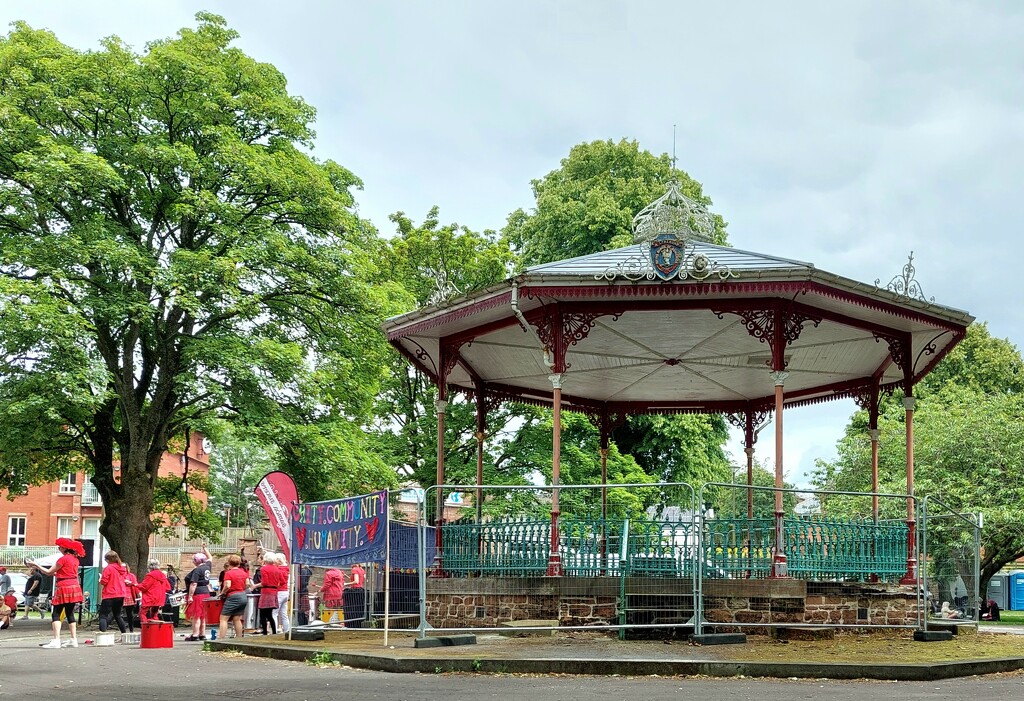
(932, 636)
(445, 640)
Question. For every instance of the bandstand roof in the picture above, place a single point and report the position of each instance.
(696, 335)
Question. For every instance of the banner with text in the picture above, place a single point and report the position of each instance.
(342, 532)
(276, 491)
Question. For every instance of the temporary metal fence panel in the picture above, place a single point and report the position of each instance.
(625, 557)
(950, 562)
(824, 558)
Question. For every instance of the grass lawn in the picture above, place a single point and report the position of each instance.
(879, 648)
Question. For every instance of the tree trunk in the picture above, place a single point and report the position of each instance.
(126, 522)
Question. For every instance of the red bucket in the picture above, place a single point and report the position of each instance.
(213, 607)
(157, 634)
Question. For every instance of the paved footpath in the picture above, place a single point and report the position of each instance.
(185, 671)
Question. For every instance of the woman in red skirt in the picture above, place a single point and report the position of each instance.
(67, 590)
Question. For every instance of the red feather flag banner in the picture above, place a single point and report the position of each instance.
(276, 491)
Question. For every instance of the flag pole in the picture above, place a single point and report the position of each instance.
(292, 581)
(387, 566)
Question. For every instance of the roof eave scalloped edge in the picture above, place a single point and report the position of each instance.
(810, 273)
(450, 305)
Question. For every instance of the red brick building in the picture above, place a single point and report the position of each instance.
(72, 507)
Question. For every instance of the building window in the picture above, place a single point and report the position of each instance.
(16, 530)
(64, 527)
(67, 485)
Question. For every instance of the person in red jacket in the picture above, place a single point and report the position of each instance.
(154, 587)
(112, 591)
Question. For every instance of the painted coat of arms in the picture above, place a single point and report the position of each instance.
(666, 255)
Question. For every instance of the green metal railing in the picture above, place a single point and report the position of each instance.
(736, 548)
(816, 548)
(822, 548)
(518, 548)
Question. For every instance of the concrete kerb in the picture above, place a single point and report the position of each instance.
(395, 662)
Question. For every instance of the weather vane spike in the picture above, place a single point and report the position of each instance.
(673, 150)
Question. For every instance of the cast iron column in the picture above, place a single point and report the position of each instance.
(555, 559)
(779, 568)
(911, 576)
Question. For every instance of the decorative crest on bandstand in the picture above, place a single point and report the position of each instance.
(668, 225)
(444, 288)
(905, 285)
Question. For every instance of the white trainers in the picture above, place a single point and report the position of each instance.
(70, 643)
(52, 645)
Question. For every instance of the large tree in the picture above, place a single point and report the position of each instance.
(587, 205)
(169, 250)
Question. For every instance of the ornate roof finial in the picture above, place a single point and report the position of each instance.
(674, 213)
(444, 288)
(906, 285)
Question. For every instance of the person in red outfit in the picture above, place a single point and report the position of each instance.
(67, 590)
(154, 587)
(236, 583)
(8, 609)
(131, 597)
(197, 584)
(355, 598)
(112, 591)
(333, 590)
(270, 583)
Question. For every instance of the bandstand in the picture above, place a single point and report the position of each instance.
(676, 324)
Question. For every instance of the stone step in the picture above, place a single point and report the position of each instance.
(515, 627)
(804, 633)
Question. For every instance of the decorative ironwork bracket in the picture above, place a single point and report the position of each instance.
(758, 419)
(559, 330)
(761, 324)
(906, 285)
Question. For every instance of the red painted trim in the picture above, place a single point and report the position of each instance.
(731, 290)
(454, 315)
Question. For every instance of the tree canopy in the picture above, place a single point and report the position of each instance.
(587, 204)
(169, 251)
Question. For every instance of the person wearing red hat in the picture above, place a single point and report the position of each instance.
(67, 590)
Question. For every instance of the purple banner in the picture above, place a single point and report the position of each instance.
(342, 532)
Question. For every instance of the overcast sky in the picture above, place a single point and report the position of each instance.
(841, 134)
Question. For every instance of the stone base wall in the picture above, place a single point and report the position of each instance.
(487, 602)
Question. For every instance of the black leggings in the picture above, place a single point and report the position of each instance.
(130, 612)
(111, 609)
(268, 615)
(67, 609)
